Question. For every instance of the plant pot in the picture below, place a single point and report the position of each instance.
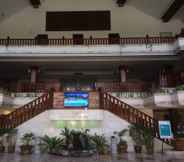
(11, 149)
(149, 150)
(2, 149)
(179, 144)
(26, 149)
(75, 153)
(138, 149)
(65, 153)
(122, 149)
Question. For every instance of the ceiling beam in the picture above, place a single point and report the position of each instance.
(172, 10)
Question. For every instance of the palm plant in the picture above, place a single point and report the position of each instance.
(28, 138)
(11, 138)
(27, 143)
(148, 137)
(86, 140)
(100, 143)
(136, 132)
(66, 133)
(2, 132)
(122, 145)
(52, 144)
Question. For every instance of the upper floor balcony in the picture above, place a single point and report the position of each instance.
(79, 46)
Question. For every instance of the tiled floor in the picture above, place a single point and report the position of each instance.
(125, 158)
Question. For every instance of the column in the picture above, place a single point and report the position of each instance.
(33, 74)
(123, 73)
(163, 78)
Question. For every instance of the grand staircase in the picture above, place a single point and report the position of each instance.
(130, 114)
(28, 111)
(107, 102)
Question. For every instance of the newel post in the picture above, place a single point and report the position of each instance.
(51, 99)
(101, 98)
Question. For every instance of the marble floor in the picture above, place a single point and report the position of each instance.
(124, 158)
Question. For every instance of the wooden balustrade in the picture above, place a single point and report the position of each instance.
(129, 113)
(87, 41)
(124, 87)
(30, 87)
(27, 111)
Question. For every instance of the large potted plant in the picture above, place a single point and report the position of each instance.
(3, 131)
(136, 133)
(11, 138)
(148, 140)
(177, 121)
(122, 145)
(53, 145)
(101, 144)
(81, 143)
(27, 146)
(67, 136)
(77, 143)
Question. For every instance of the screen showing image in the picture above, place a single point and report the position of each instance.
(76, 99)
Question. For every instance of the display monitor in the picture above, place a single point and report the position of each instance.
(76, 99)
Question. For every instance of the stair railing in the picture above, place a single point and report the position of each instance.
(130, 114)
(27, 111)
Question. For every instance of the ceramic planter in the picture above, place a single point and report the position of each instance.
(26, 149)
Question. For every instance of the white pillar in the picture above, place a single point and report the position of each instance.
(123, 73)
(33, 71)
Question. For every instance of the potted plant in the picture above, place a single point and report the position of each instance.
(101, 144)
(27, 143)
(122, 145)
(66, 133)
(53, 145)
(148, 140)
(81, 143)
(11, 138)
(3, 131)
(177, 121)
(136, 133)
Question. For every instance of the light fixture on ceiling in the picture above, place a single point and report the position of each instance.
(35, 3)
(121, 3)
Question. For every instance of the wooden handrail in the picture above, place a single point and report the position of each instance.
(30, 87)
(130, 114)
(86, 41)
(28, 111)
(124, 87)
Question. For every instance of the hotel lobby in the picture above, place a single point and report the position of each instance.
(91, 81)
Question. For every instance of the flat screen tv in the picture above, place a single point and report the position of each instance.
(76, 99)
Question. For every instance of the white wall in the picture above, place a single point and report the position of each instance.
(5, 100)
(19, 19)
(20, 101)
(180, 97)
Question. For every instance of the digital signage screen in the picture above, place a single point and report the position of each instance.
(76, 99)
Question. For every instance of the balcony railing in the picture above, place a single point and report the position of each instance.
(124, 87)
(87, 41)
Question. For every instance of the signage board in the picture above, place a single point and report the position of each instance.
(165, 130)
